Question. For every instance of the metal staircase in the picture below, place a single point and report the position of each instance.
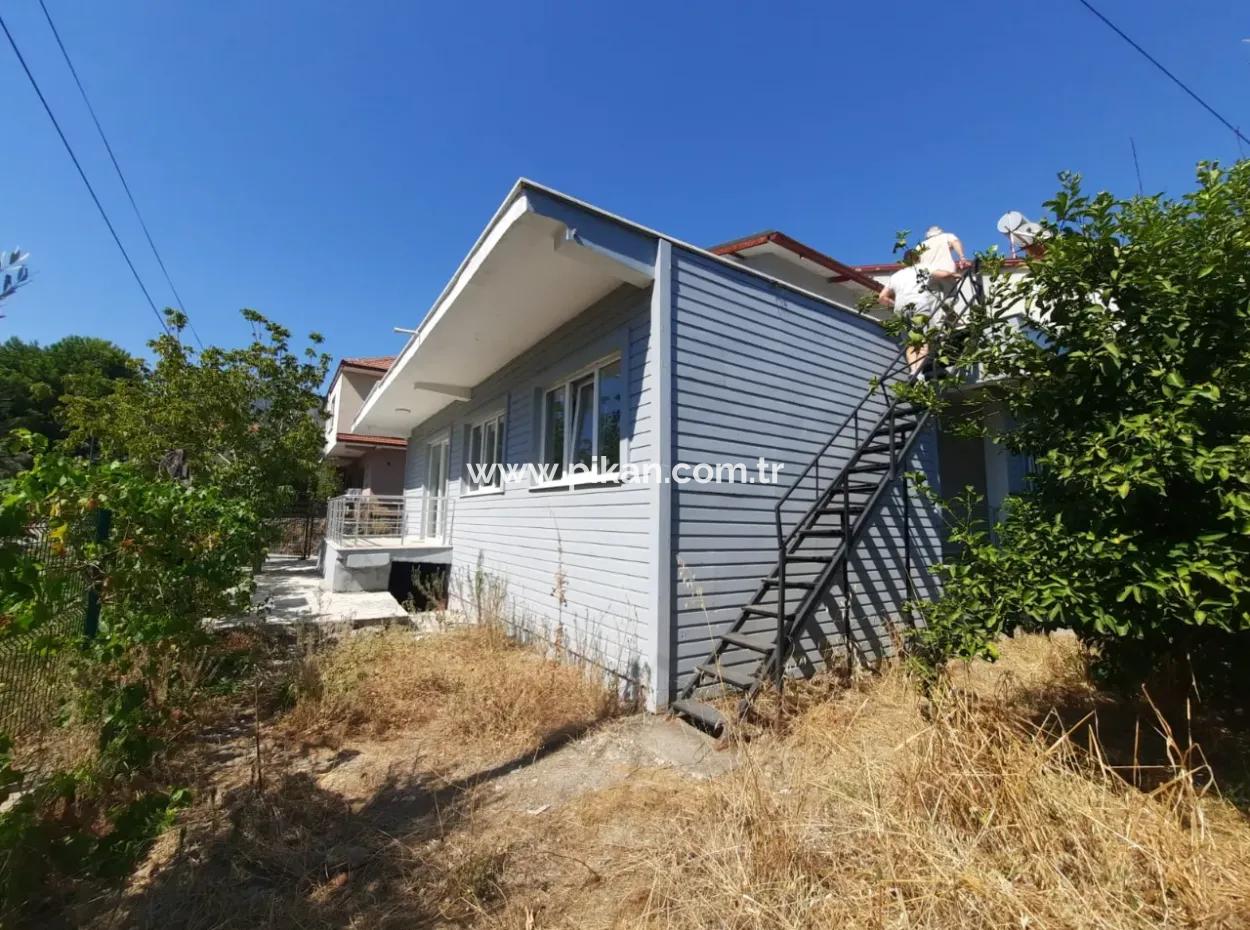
(863, 459)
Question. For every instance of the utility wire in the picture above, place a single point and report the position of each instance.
(121, 177)
(1175, 80)
(82, 174)
(1136, 166)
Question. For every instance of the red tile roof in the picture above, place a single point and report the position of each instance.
(360, 439)
(842, 272)
(376, 362)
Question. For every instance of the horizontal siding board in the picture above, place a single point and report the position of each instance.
(762, 371)
(711, 343)
(576, 560)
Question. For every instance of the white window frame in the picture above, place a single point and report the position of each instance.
(593, 475)
(500, 419)
(434, 506)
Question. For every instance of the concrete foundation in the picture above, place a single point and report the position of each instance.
(365, 565)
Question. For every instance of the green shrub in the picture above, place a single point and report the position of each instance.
(1131, 394)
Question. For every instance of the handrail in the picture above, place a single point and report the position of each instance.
(972, 274)
(366, 516)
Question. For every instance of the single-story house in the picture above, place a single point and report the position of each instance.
(613, 436)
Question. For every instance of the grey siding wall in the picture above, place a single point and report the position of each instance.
(760, 370)
(578, 561)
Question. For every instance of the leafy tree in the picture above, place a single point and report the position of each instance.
(177, 553)
(1131, 393)
(34, 379)
(246, 421)
(189, 460)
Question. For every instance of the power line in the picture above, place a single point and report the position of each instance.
(1136, 166)
(113, 158)
(1175, 80)
(82, 174)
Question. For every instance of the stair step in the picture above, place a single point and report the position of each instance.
(900, 426)
(860, 469)
(819, 531)
(730, 676)
(805, 585)
(874, 448)
(820, 559)
(853, 508)
(855, 487)
(756, 642)
(755, 611)
(705, 714)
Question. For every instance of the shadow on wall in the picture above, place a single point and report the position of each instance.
(879, 589)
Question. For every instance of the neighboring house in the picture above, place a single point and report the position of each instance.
(569, 336)
(373, 464)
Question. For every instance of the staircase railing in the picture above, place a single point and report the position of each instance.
(882, 386)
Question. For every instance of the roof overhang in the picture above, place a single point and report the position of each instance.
(794, 252)
(353, 445)
(539, 263)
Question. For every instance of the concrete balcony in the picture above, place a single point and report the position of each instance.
(367, 533)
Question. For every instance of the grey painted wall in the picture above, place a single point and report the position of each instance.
(761, 370)
(578, 561)
(757, 369)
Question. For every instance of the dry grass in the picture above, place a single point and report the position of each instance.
(471, 687)
(878, 809)
(875, 808)
(874, 813)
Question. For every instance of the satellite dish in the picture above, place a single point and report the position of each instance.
(1011, 221)
(1020, 231)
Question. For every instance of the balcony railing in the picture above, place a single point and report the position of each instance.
(398, 519)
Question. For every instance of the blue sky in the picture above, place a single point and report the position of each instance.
(330, 163)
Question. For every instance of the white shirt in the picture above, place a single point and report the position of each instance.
(910, 293)
(935, 252)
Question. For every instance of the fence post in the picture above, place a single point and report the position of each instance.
(91, 622)
(306, 549)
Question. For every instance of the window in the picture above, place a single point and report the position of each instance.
(582, 421)
(485, 458)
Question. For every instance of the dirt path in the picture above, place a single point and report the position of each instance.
(341, 832)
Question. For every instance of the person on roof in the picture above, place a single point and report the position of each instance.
(909, 293)
(937, 254)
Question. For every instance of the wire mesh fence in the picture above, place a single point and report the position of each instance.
(299, 531)
(34, 665)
